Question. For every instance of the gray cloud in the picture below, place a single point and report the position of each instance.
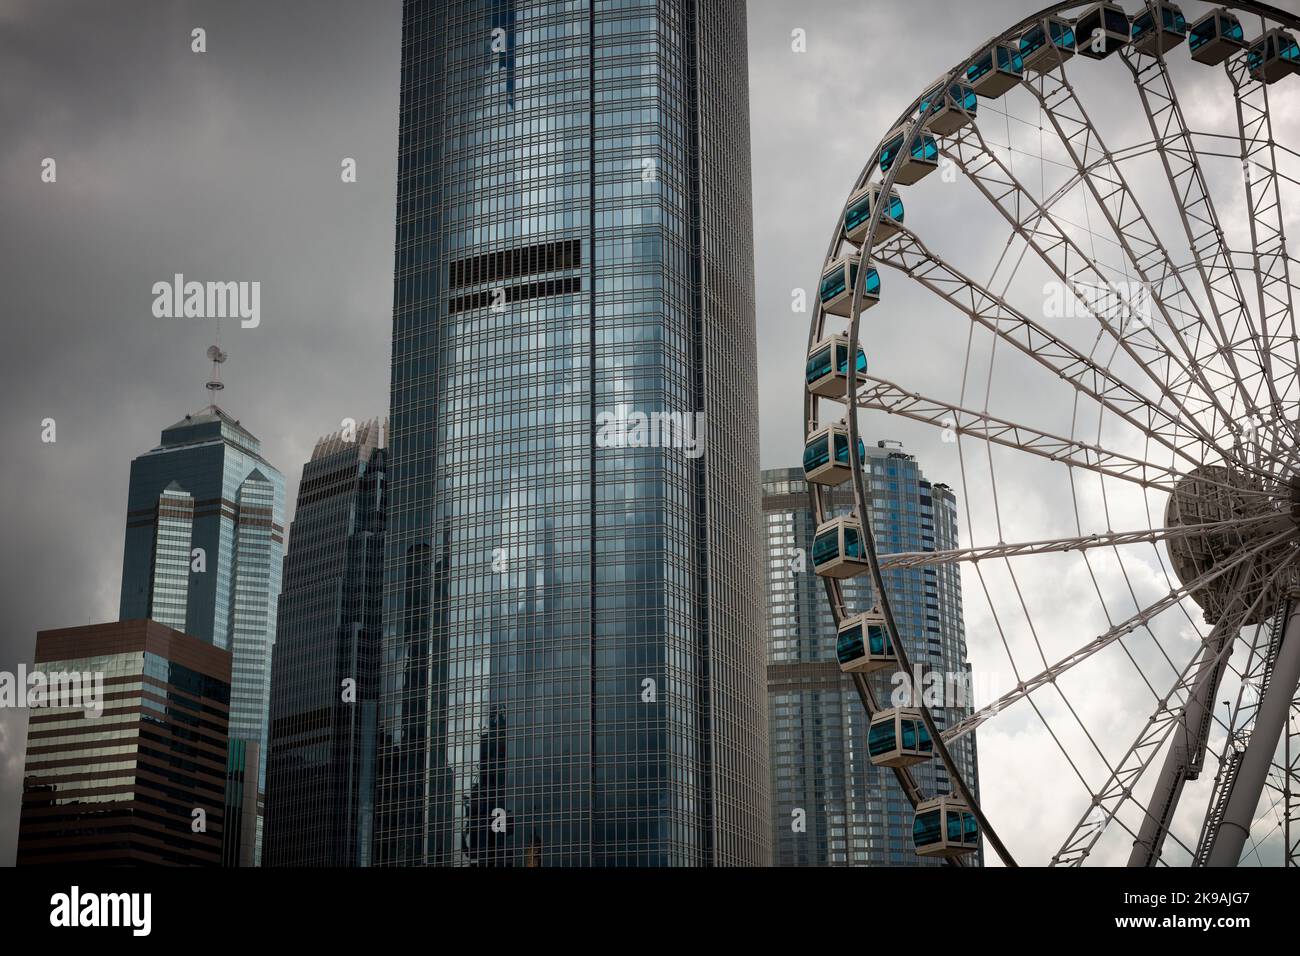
(223, 165)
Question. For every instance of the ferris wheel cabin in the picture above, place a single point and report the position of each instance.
(1048, 42)
(1273, 56)
(862, 645)
(1103, 29)
(826, 455)
(836, 289)
(839, 549)
(944, 826)
(1158, 29)
(944, 114)
(1215, 37)
(898, 738)
(996, 71)
(828, 366)
(857, 215)
(917, 163)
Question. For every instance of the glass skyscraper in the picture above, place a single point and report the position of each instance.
(572, 649)
(204, 544)
(324, 679)
(830, 806)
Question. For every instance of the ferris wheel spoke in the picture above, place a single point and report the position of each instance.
(881, 395)
(1178, 380)
(1119, 556)
(1273, 446)
(1016, 670)
(1115, 771)
(1118, 789)
(906, 253)
(1201, 226)
(1270, 260)
(1111, 539)
(1140, 619)
(1135, 151)
(1148, 256)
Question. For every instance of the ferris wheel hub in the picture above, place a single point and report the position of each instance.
(1239, 514)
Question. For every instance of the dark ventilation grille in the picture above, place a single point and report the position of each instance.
(517, 293)
(513, 263)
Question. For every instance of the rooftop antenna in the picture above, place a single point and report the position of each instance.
(216, 357)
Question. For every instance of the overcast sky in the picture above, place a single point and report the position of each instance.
(226, 164)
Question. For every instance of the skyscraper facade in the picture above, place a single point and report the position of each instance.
(831, 807)
(572, 668)
(324, 679)
(204, 547)
(142, 780)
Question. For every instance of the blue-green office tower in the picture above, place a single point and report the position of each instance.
(573, 634)
(204, 544)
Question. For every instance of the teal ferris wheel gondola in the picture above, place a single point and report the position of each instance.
(996, 71)
(826, 455)
(1215, 37)
(1273, 56)
(898, 738)
(944, 827)
(857, 215)
(836, 289)
(917, 161)
(839, 549)
(862, 644)
(828, 366)
(1047, 43)
(945, 113)
(1158, 29)
(1102, 30)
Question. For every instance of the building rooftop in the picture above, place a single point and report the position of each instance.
(366, 437)
(208, 424)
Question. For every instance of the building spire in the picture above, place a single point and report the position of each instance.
(217, 357)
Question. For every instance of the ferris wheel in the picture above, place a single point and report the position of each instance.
(1172, 352)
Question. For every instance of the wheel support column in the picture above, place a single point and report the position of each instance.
(1189, 739)
(1258, 758)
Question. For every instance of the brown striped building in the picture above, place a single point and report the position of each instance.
(123, 787)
